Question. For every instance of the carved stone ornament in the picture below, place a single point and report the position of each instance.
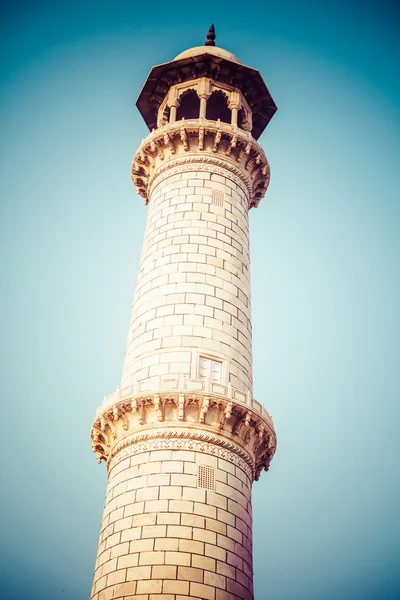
(217, 146)
(207, 423)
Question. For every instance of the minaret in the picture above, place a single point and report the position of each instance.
(182, 437)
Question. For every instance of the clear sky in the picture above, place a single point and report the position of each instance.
(325, 281)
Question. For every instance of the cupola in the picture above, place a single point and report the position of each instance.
(206, 82)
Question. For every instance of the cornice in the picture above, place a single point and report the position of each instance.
(214, 144)
(218, 69)
(198, 417)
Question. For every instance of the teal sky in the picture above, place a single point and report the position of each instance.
(325, 279)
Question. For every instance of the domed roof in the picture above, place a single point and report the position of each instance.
(214, 50)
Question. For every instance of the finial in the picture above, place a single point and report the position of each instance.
(210, 36)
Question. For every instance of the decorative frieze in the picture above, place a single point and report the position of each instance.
(181, 440)
(205, 163)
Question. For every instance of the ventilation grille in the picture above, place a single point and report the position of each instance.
(218, 198)
(206, 478)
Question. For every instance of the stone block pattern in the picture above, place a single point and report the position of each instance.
(164, 538)
(193, 289)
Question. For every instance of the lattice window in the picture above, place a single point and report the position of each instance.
(210, 369)
(206, 478)
(218, 198)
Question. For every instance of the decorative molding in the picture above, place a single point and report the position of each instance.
(197, 162)
(181, 440)
(212, 419)
(198, 141)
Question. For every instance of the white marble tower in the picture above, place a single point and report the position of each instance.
(182, 437)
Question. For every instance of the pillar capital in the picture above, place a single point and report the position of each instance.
(174, 103)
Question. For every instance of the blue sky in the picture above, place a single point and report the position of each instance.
(325, 284)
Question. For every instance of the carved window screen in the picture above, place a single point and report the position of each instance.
(218, 198)
(210, 369)
(206, 478)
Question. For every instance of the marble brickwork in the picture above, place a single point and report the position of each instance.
(165, 538)
(193, 291)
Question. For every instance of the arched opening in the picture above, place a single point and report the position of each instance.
(217, 107)
(189, 107)
(243, 121)
(165, 116)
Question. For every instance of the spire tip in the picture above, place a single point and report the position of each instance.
(210, 36)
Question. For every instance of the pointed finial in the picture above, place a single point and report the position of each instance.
(210, 36)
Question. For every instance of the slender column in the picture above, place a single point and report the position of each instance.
(234, 120)
(203, 106)
(234, 107)
(172, 114)
(173, 108)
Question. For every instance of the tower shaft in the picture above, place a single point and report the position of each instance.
(183, 437)
(193, 291)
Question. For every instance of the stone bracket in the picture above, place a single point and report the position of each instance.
(206, 414)
(234, 147)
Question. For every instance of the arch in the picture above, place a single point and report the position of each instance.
(170, 410)
(217, 107)
(192, 413)
(243, 121)
(165, 116)
(189, 107)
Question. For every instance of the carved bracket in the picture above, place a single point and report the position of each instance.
(202, 140)
(205, 414)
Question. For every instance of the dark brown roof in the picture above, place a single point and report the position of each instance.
(207, 64)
